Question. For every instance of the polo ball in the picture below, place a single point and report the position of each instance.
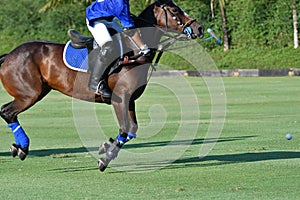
(289, 136)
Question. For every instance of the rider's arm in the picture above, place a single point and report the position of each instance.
(128, 23)
(124, 15)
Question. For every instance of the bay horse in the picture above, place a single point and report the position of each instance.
(30, 71)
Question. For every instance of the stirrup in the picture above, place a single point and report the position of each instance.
(103, 90)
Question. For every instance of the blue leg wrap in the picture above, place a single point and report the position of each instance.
(20, 136)
(123, 140)
(130, 136)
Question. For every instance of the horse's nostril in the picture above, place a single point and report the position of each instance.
(200, 31)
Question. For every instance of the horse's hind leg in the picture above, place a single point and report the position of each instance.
(9, 113)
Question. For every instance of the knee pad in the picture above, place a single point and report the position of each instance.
(107, 49)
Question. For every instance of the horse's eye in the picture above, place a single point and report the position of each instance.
(175, 10)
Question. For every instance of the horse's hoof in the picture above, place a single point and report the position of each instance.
(103, 148)
(14, 150)
(102, 164)
(22, 153)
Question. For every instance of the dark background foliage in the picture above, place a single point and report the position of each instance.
(258, 29)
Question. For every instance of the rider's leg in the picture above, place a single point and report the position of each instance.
(100, 59)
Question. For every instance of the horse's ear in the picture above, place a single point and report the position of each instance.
(162, 2)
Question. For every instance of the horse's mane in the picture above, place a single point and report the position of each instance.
(146, 18)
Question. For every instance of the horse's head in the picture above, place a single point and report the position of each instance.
(172, 17)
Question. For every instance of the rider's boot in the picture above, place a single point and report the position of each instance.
(98, 61)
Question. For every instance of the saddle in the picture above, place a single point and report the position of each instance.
(79, 41)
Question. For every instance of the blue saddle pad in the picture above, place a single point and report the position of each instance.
(76, 59)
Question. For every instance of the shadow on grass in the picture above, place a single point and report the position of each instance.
(210, 160)
(186, 142)
(49, 152)
(214, 160)
(73, 169)
(57, 151)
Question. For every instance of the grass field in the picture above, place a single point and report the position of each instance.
(251, 160)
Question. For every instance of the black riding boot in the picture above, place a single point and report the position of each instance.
(99, 59)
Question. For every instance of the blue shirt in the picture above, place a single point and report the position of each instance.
(110, 8)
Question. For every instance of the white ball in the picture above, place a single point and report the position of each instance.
(289, 136)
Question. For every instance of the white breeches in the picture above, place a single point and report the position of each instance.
(100, 30)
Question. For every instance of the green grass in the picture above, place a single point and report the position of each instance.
(251, 160)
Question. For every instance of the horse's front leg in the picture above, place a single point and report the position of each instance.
(133, 125)
(125, 112)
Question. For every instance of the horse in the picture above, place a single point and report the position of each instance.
(30, 71)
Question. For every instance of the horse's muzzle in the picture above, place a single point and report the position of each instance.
(197, 30)
(200, 33)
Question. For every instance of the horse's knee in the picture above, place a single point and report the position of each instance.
(4, 116)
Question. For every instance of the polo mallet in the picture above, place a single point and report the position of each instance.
(213, 36)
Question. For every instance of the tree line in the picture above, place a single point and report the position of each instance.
(242, 24)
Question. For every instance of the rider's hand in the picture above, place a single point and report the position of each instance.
(145, 51)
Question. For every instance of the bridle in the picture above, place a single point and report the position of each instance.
(185, 28)
(170, 39)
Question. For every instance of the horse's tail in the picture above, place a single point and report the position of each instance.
(2, 58)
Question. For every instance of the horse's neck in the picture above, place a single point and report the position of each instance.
(147, 17)
(147, 22)
(151, 36)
